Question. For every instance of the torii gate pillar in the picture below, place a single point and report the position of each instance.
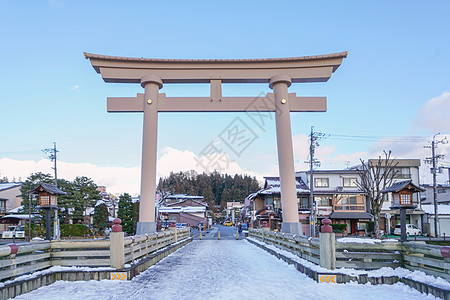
(280, 85)
(147, 223)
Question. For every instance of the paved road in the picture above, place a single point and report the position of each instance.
(225, 269)
(226, 233)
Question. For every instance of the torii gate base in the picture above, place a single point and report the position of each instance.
(145, 227)
(278, 72)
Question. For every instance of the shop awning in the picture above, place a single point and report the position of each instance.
(350, 215)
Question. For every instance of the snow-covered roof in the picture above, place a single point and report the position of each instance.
(8, 185)
(442, 209)
(19, 217)
(180, 209)
(272, 186)
(184, 200)
(16, 210)
(183, 196)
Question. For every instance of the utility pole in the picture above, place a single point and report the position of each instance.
(313, 138)
(51, 154)
(433, 160)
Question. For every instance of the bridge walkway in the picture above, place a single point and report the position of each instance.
(220, 269)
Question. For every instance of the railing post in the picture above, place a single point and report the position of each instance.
(265, 226)
(116, 248)
(327, 246)
(173, 227)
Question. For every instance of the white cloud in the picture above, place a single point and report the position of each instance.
(56, 3)
(116, 179)
(433, 115)
(176, 160)
(76, 87)
(119, 179)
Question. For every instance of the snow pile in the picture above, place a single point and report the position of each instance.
(365, 241)
(382, 272)
(359, 241)
(54, 269)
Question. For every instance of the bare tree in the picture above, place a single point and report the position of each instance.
(375, 177)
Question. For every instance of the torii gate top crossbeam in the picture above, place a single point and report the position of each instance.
(117, 69)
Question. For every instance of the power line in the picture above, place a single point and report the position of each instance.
(377, 138)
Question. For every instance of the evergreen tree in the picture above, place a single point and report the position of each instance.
(83, 194)
(216, 188)
(65, 202)
(128, 213)
(101, 217)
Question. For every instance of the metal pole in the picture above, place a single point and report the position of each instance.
(436, 220)
(29, 217)
(56, 228)
(311, 186)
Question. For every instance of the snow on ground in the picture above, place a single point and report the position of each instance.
(221, 269)
(54, 269)
(364, 241)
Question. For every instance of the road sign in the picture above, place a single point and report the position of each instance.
(387, 216)
(122, 276)
(327, 278)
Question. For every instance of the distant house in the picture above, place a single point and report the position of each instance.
(443, 217)
(442, 193)
(266, 203)
(10, 196)
(10, 199)
(339, 198)
(405, 169)
(181, 208)
(335, 193)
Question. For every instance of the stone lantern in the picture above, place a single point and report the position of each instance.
(402, 194)
(48, 200)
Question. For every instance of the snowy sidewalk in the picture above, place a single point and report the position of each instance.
(224, 269)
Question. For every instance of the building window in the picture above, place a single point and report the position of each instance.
(321, 182)
(441, 191)
(350, 182)
(3, 206)
(303, 203)
(323, 200)
(268, 202)
(402, 173)
(349, 202)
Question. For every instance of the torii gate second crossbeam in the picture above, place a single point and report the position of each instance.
(279, 73)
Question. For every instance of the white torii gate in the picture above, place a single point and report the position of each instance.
(279, 73)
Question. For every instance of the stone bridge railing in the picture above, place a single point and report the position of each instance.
(431, 259)
(19, 259)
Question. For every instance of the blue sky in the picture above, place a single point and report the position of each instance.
(394, 82)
